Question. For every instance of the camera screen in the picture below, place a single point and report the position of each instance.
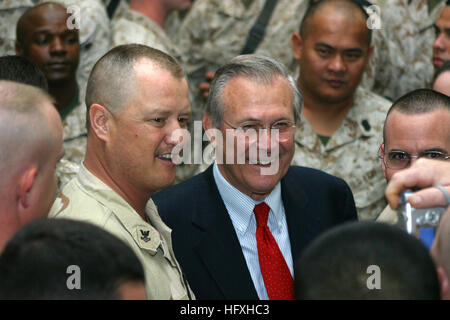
(427, 236)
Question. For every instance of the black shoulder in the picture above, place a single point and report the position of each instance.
(312, 177)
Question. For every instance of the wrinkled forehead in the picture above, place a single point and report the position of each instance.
(422, 130)
(243, 95)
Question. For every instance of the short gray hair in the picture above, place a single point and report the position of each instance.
(254, 67)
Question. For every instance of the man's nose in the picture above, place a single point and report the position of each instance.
(337, 64)
(173, 127)
(438, 44)
(267, 138)
(57, 45)
(412, 161)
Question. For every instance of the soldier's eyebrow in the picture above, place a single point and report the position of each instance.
(439, 30)
(438, 149)
(353, 50)
(348, 50)
(322, 44)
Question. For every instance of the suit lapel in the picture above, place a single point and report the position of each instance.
(295, 201)
(219, 247)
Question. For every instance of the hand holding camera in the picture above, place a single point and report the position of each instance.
(425, 174)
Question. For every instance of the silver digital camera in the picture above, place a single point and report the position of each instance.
(417, 219)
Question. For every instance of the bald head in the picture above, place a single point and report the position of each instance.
(43, 37)
(349, 10)
(35, 14)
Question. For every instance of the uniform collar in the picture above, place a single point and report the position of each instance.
(356, 125)
(147, 235)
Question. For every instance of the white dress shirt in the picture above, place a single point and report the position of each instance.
(240, 208)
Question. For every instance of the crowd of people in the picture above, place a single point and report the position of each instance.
(313, 117)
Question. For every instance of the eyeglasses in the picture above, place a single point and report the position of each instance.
(398, 160)
(283, 126)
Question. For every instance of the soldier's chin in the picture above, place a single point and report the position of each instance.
(58, 77)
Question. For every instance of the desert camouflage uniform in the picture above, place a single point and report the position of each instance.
(351, 153)
(65, 171)
(173, 24)
(411, 35)
(214, 31)
(10, 12)
(94, 30)
(74, 130)
(129, 26)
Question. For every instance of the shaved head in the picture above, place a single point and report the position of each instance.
(44, 38)
(30, 148)
(27, 20)
(27, 127)
(349, 9)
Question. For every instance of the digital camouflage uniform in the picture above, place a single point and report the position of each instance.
(129, 26)
(10, 12)
(74, 129)
(94, 30)
(74, 140)
(214, 31)
(173, 24)
(411, 35)
(352, 151)
(65, 171)
(88, 199)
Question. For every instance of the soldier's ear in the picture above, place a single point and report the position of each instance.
(297, 45)
(26, 183)
(99, 118)
(207, 122)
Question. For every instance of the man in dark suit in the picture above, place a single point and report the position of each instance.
(238, 226)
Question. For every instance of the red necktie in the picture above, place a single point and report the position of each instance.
(275, 272)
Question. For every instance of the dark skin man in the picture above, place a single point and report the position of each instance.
(44, 38)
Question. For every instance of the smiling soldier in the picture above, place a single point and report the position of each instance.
(137, 96)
